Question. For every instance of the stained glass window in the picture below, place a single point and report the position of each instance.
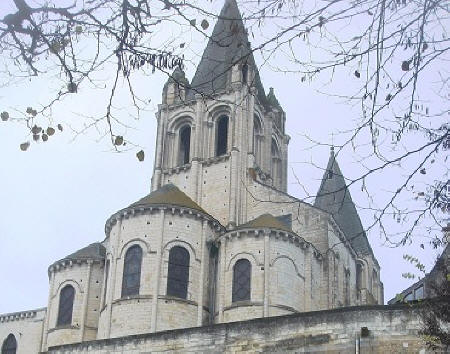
(66, 297)
(241, 280)
(178, 273)
(131, 280)
(9, 345)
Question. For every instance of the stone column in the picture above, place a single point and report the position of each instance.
(197, 148)
(221, 280)
(267, 153)
(251, 113)
(266, 273)
(157, 275)
(210, 137)
(204, 261)
(115, 252)
(48, 313)
(309, 291)
(159, 151)
(234, 205)
(284, 162)
(170, 150)
(86, 299)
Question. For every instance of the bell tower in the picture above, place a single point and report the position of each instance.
(220, 130)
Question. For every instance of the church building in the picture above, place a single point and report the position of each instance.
(218, 239)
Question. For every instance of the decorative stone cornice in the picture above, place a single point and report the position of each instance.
(64, 264)
(22, 315)
(132, 211)
(209, 161)
(290, 237)
(178, 169)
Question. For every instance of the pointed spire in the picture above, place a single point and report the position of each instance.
(178, 76)
(272, 99)
(228, 45)
(334, 197)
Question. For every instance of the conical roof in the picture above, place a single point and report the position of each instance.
(168, 194)
(266, 221)
(334, 197)
(227, 45)
(95, 251)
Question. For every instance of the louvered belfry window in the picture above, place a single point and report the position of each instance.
(241, 280)
(66, 297)
(178, 272)
(9, 345)
(131, 280)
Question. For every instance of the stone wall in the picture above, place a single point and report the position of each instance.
(368, 329)
(26, 327)
(86, 277)
(157, 231)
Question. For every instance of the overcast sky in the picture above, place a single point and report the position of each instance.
(56, 197)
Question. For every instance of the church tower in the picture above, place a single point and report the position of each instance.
(218, 239)
(221, 129)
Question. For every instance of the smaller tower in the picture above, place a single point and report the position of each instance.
(334, 197)
(74, 297)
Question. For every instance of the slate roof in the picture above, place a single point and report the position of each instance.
(334, 197)
(227, 45)
(266, 221)
(168, 194)
(95, 251)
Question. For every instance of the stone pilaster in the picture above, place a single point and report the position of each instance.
(157, 276)
(86, 299)
(48, 314)
(203, 272)
(266, 273)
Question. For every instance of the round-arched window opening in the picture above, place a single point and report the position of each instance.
(185, 145)
(9, 345)
(242, 271)
(244, 73)
(222, 136)
(66, 298)
(178, 272)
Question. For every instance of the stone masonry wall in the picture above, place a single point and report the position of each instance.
(26, 327)
(156, 232)
(391, 329)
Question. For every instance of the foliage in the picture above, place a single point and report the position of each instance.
(393, 55)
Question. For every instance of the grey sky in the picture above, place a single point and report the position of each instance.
(56, 197)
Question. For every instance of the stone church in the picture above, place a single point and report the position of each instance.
(218, 240)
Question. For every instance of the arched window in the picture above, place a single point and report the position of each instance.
(242, 271)
(222, 136)
(184, 145)
(131, 280)
(244, 73)
(276, 165)
(257, 140)
(66, 297)
(178, 273)
(9, 345)
(359, 277)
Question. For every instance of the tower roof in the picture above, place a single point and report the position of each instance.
(266, 221)
(334, 197)
(95, 251)
(227, 46)
(168, 194)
